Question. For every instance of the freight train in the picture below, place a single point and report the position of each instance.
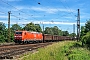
(31, 37)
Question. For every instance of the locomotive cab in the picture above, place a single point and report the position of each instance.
(18, 37)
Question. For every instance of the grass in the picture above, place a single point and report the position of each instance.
(78, 52)
(65, 50)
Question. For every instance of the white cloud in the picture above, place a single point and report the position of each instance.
(40, 22)
(3, 16)
(44, 9)
(61, 23)
(4, 21)
(51, 10)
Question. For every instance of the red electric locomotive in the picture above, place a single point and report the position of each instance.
(26, 37)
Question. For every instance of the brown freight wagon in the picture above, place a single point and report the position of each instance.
(55, 37)
(48, 37)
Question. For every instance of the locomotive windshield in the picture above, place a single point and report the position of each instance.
(18, 33)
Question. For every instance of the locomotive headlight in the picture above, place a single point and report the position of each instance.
(15, 36)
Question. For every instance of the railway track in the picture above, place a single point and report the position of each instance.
(12, 51)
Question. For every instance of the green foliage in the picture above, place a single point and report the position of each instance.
(85, 33)
(52, 52)
(30, 27)
(2, 38)
(15, 27)
(86, 38)
(38, 28)
(72, 35)
(2, 26)
(2, 32)
(87, 26)
(78, 57)
(61, 51)
(12, 31)
(53, 31)
(33, 27)
(65, 33)
(75, 51)
(48, 31)
(79, 54)
(82, 31)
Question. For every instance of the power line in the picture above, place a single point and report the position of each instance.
(16, 8)
(59, 10)
(19, 17)
(69, 8)
(24, 12)
(3, 12)
(13, 15)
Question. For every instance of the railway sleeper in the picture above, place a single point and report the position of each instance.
(6, 57)
(11, 54)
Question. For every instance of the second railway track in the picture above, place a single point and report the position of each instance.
(12, 51)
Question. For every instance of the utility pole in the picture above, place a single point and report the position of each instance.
(73, 31)
(9, 26)
(43, 33)
(78, 26)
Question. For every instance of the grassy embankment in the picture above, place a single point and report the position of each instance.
(65, 50)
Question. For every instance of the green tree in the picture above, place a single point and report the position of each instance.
(86, 39)
(82, 31)
(30, 27)
(85, 33)
(2, 26)
(72, 35)
(48, 31)
(55, 30)
(38, 28)
(2, 32)
(87, 26)
(6, 35)
(15, 27)
(65, 33)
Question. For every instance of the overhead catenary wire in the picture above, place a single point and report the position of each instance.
(17, 9)
(3, 12)
(13, 15)
(19, 17)
(26, 13)
(69, 8)
(22, 11)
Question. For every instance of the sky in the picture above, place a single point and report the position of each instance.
(50, 13)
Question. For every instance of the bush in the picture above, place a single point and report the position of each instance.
(2, 38)
(78, 57)
(86, 38)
